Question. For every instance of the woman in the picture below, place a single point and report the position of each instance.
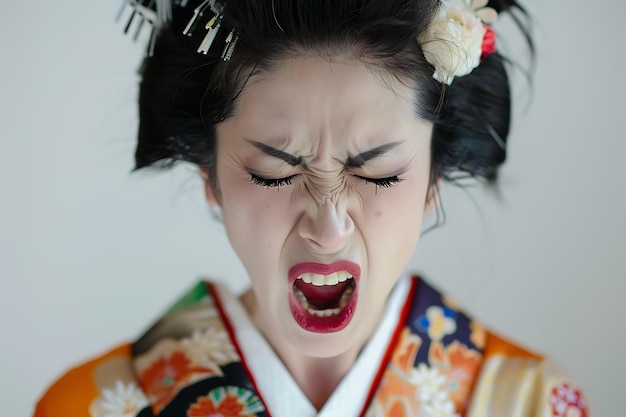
(321, 130)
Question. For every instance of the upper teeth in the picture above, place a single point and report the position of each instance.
(330, 279)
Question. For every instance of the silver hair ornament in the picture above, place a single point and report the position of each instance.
(209, 14)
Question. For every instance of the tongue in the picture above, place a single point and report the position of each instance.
(322, 297)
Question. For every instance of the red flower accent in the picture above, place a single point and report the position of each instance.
(228, 407)
(565, 400)
(489, 42)
(165, 373)
(162, 380)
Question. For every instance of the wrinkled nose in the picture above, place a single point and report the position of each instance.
(326, 228)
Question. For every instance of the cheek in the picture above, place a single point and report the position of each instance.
(257, 220)
(394, 207)
(391, 225)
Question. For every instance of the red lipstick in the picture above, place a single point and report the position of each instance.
(323, 308)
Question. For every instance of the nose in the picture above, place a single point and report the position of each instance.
(326, 228)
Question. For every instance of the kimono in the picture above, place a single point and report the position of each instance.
(427, 358)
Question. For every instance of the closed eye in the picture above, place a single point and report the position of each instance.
(386, 182)
(271, 182)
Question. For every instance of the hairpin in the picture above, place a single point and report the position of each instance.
(212, 27)
(197, 13)
(157, 12)
(231, 42)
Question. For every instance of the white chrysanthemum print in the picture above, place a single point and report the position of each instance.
(440, 405)
(211, 345)
(435, 399)
(123, 400)
(429, 380)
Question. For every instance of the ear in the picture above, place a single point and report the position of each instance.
(210, 186)
(432, 197)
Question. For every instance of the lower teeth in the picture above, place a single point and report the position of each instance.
(343, 301)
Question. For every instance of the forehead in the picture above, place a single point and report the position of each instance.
(317, 96)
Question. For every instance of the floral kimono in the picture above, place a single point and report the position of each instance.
(205, 358)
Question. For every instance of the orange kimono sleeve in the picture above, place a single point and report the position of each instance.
(77, 393)
(516, 382)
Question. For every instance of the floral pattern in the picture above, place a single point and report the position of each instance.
(431, 373)
(123, 400)
(397, 395)
(166, 377)
(458, 365)
(438, 322)
(167, 370)
(226, 402)
(209, 346)
(567, 402)
(429, 381)
(409, 392)
(435, 363)
(170, 364)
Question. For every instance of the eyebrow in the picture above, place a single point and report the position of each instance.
(277, 153)
(352, 161)
(360, 159)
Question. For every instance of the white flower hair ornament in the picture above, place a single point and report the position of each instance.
(458, 38)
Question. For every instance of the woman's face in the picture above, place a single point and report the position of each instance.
(322, 177)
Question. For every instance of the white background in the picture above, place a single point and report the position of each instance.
(90, 254)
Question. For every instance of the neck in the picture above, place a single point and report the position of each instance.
(316, 377)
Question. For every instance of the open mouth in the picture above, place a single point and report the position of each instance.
(323, 297)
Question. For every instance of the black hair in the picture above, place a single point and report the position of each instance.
(185, 94)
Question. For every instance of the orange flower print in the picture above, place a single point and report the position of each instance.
(397, 396)
(459, 365)
(205, 407)
(404, 356)
(166, 376)
(226, 402)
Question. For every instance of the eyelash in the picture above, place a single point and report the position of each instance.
(271, 182)
(387, 182)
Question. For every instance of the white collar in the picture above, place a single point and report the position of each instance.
(281, 394)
